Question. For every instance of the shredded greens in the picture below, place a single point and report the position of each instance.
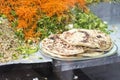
(76, 17)
(27, 50)
(13, 47)
(88, 21)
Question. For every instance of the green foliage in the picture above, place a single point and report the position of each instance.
(27, 50)
(13, 13)
(76, 17)
(1, 55)
(3, 16)
(19, 34)
(51, 25)
(87, 20)
(14, 23)
(92, 1)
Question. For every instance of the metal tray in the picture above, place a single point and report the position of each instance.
(33, 58)
(109, 53)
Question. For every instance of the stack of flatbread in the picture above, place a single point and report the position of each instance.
(77, 43)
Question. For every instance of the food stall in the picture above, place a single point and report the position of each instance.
(44, 67)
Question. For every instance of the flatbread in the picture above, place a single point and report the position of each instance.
(99, 49)
(89, 38)
(54, 55)
(103, 40)
(57, 46)
(82, 55)
(76, 37)
(92, 54)
(77, 43)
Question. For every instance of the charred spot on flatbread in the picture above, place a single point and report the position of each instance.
(99, 36)
(92, 54)
(85, 37)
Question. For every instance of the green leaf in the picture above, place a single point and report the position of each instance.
(13, 13)
(14, 23)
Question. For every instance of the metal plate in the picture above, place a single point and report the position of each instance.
(74, 58)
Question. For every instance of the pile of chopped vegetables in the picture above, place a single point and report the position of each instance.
(24, 14)
(11, 47)
(33, 20)
(8, 42)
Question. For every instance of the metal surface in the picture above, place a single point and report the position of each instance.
(113, 51)
(34, 58)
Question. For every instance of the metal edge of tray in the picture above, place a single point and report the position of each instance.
(109, 53)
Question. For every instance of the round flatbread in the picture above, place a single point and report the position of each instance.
(89, 38)
(54, 44)
(75, 37)
(103, 40)
(51, 54)
(92, 54)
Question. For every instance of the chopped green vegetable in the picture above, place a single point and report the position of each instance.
(0, 22)
(40, 58)
(1, 55)
(13, 13)
(27, 50)
(77, 17)
(87, 20)
(14, 56)
(14, 23)
(48, 25)
(3, 16)
(0, 33)
(20, 34)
